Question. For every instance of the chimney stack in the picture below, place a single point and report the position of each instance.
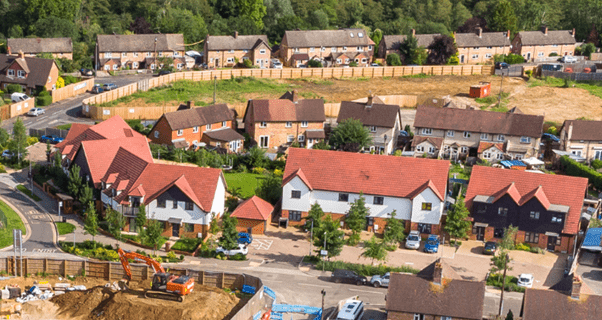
(370, 101)
(189, 104)
(235, 34)
(545, 30)
(295, 95)
(413, 32)
(508, 34)
(573, 32)
(21, 54)
(480, 32)
(8, 50)
(438, 273)
(576, 289)
(569, 133)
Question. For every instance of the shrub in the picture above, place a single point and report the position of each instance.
(553, 54)
(258, 170)
(43, 101)
(279, 172)
(363, 269)
(514, 58)
(32, 140)
(12, 88)
(69, 80)
(597, 164)
(353, 64)
(529, 73)
(495, 280)
(238, 257)
(393, 59)
(537, 250)
(522, 247)
(552, 130)
(314, 63)
(576, 169)
(171, 256)
(247, 63)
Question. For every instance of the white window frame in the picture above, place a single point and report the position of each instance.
(195, 129)
(224, 124)
(180, 66)
(135, 54)
(364, 60)
(230, 60)
(344, 49)
(322, 49)
(21, 74)
(347, 60)
(450, 133)
(265, 139)
(156, 134)
(486, 155)
(369, 48)
(418, 316)
(500, 137)
(153, 66)
(477, 48)
(420, 148)
(333, 49)
(176, 54)
(290, 138)
(11, 72)
(108, 55)
(304, 124)
(540, 54)
(372, 128)
(484, 136)
(360, 34)
(466, 134)
(263, 124)
(338, 61)
(208, 126)
(426, 131)
(296, 49)
(301, 138)
(134, 65)
(312, 49)
(488, 56)
(115, 67)
(464, 150)
(499, 156)
(524, 139)
(431, 150)
(359, 49)
(489, 48)
(149, 54)
(262, 51)
(288, 124)
(180, 132)
(475, 56)
(124, 54)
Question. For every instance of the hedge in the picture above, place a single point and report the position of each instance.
(44, 101)
(362, 269)
(576, 169)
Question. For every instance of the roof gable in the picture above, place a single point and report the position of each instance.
(380, 115)
(326, 38)
(532, 38)
(586, 130)
(196, 117)
(38, 70)
(239, 42)
(280, 110)
(254, 208)
(140, 42)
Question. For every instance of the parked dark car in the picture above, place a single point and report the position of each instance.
(86, 72)
(490, 248)
(51, 139)
(245, 238)
(347, 276)
(97, 89)
(163, 72)
(501, 65)
(109, 86)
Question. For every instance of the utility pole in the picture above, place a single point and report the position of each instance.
(503, 285)
(214, 87)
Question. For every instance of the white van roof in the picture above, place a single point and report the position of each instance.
(350, 310)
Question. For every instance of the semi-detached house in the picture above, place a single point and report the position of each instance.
(391, 43)
(480, 47)
(582, 138)
(414, 188)
(226, 51)
(537, 45)
(58, 47)
(30, 73)
(139, 51)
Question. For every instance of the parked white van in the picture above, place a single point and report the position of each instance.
(351, 310)
(18, 97)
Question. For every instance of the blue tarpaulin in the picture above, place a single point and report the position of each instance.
(512, 163)
(592, 240)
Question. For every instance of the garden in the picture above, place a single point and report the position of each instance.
(10, 220)
(99, 251)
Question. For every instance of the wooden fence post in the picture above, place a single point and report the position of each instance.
(202, 277)
(223, 276)
(65, 268)
(109, 273)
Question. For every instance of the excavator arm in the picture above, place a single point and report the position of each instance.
(125, 255)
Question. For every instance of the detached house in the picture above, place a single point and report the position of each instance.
(383, 121)
(390, 44)
(480, 47)
(191, 127)
(582, 138)
(545, 208)
(534, 45)
(280, 122)
(226, 51)
(58, 47)
(117, 161)
(418, 201)
(139, 51)
(453, 133)
(30, 73)
(332, 47)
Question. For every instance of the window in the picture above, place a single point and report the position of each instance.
(189, 227)
(499, 156)
(180, 66)
(180, 132)
(372, 128)
(446, 318)
(531, 237)
(21, 73)
(464, 150)
(347, 60)
(295, 194)
(450, 133)
(498, 233)
(502, 211)
(195, 129)
(124, 54)
(344, 49)
(475, 56)
(558, 241)
(359, 48)
(598, 155)
(288, 124)
(189, 206)
(263, 124)
(489, 48)
(484, 136)
(466, 134)
(294, 215)
(160, 53)
(379, 200)
(557, 218)
(534, 215)
(290, 138)
(576, 152)
(115, 67)
(175, 204)
(525, 139)
(424, 228)
(369, 47)
(488, 55)
(419, 148)
(262, 51)
(230, 60)
(134, 65)
(540, 54)
(303, 124)
(322, 49)
(360, 34)
(344, 197)
(161, 203)
(518, 157)
(224, 123)
(476, 48)
(245, 51)
(156, 134)
(500, 137)
(135, 54)
(427, 131)
(554, 45)
(108, 55)
(351, 34)
(301, 138)
(427, 206)
(364, 60)
(176, 54)
(486, 155)
(312, 49)
(153, 66)
(296, 49)
(149, 54)
(333, 49)
(431, 150)
(11, 72)
(264, 141)
(208, 126)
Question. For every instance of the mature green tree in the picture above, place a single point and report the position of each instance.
(53, 27)
(214, 224)
(270, 188)
(509, 240)
(393, 59)
(91, 222)
(350, 135)
(257, 157)
(441, 49)
(503, 17)
(587, 50)
(15, 31)
(330, 234)
(319, 19)
(229, 238)
(174, 20)
(151, 235)
(315, 215)
(19, 142)
(374, 249)
(394, 229)
(253, 9)
(356, 218)
(75, 181)
(116, 222)
(460, 14)
(408, 49)
(40, 9)
(377, 36)
(4, 137)
(456, 223)
(86, 196)
(140, 218)
(322, 145)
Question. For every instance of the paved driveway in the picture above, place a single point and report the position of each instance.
(589, 271)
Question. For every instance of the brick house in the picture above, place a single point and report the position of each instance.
(390, 44)
(582, 138)
(139, 51)
(453, 133)
(480, 47)
(534, 45)
(298, 46)
(117, 161)
(280, 122)
(383, 121)
(418, 201)
(190, 127)
(435, 293)
(225, 51)
(545, 208)
(253, 215)
(30, 73)
(58, 47)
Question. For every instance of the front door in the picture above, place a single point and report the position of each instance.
(369, 223)
(552, 243)
(462, 58)
(528, 56)
(480, 233)
(175, 230)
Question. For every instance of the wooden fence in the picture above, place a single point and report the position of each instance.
(72, 90)
(90, 105)
(16, 109)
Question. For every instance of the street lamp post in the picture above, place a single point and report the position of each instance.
(323, 295)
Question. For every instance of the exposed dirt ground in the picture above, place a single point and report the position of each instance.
(102, 303)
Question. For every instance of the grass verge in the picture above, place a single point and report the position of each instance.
(64, 126)
(187, 244)
(511, 283)
(361, 269)
(65, 228)
(593, 87)
(246, 183)
(28, 192)
(13, 221)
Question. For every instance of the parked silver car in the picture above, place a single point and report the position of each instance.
(413, 240)
(380, 281)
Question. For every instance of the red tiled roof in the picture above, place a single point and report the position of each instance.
(138, 192)
(279, 110)
(254, 208)
(112, 178)
(370, 174)
(122, 184)
(486, 145)
(298, 173)
(522, 186)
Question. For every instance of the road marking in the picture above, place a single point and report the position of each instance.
(53, 121)
(44, 250)
(366, 291)
(409, 262)
(262, 244)
(313, 285)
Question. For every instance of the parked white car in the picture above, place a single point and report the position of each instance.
(526, 280)
(413, 240)
(242, 249)
(276, 64)
(568, 59)
(35, 112)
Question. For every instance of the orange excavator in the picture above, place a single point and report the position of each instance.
(164, 285)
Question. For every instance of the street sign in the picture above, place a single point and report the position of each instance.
(17, 238)
(323, 252)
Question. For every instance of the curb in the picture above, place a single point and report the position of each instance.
(25, 223)
(55, 235)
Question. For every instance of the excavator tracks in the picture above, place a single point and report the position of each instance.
(163, 296)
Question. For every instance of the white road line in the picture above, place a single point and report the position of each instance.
(409, 262)
(366, 291)
(313, 285)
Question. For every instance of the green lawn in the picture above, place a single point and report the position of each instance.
(460, 172)
(13, 221)
(246, 182)
(64, 126)
(187, 244)
(65, 228)
(593, 87)
(28, 192)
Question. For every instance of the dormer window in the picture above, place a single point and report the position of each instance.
(360, 34)
(11, 72)
(20, 73)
